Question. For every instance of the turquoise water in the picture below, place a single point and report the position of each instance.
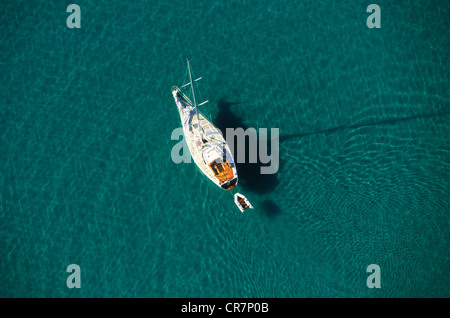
(87, 178)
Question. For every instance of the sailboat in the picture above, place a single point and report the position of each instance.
(206, 144)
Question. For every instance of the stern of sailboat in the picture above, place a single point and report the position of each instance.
(230, 185)
(224, 174)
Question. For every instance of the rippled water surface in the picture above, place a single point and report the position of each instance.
(87, 178)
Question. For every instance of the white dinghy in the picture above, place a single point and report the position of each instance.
(242, 202)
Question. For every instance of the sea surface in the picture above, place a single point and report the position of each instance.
(87, 176)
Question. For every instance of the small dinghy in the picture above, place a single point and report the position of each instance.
(242, 202)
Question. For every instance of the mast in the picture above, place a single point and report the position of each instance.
(193, 94)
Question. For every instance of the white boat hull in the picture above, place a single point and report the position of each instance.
(190, 121)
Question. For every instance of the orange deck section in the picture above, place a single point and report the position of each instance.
(223, 172)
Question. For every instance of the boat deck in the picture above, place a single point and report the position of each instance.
(216, 137)
(190, 125)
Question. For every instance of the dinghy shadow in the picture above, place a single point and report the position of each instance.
(270, 208)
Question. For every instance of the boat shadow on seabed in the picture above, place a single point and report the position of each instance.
(250, 177)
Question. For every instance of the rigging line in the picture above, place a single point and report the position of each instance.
(193, 95)
(206, 108)
(205, 111)
(184, 77)
(232, 194)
